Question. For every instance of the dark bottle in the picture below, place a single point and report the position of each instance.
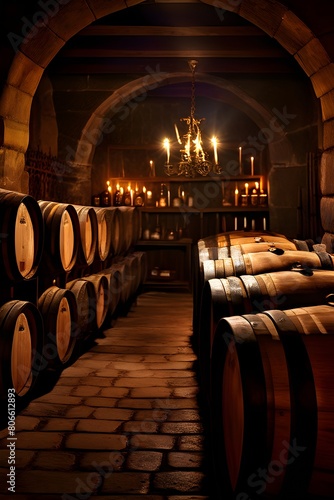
(127, 197)
(118, 197)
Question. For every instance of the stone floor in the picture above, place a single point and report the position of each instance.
(122, 422)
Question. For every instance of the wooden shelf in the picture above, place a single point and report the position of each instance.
(182, 209)
(181, 180)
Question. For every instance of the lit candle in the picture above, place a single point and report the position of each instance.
(256, 185)
(215, 153)
(149, 195)
(235, 223)
(246, 189)
(240, 159)
(131, 196)
(166, 144)
(236, 197)
(144, 190)
(252, 165)
(151, 167)
(117, 186)
(264, 224)
(261, 182)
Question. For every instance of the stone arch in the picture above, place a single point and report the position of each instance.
(98, 125)
(40, 44)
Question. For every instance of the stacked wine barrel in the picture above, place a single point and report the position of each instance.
(264, 328)
(67, 271)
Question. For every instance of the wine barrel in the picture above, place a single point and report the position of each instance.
(241, 237)
(130, 227)
(248, 294)
(88, 234)
(116, 228)
(59, 311)
(272, 404)
(62, 235)
(114, 278)
(21, 347)
(21, 235)
(143, 267)
(85, 296)
(105, 232)
(101, 287)
(261, 262)
(226, 245)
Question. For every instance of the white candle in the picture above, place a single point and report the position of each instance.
(245, 222)
(131, 196)
(264, 224)
(240, 159)
(252, 165)
(215, 153)
(166, 144)
(235, 223)
(246, 189)
(236, 197)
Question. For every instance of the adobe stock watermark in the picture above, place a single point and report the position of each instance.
(30, 27)
(104, 469)
(260, 479)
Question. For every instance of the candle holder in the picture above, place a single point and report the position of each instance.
(244, 200)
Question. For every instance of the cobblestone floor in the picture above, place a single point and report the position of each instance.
(122, 422)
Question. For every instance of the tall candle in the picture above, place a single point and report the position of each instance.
(166, 144)
(235, 223)
(246, 189)
(240, 159)
(252, 165)
(215, 153)
(264, 224)
(236, 197)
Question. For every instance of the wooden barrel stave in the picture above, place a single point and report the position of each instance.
(85, 296)
(21, 347)
(62, 231)
(22, 236)
(101, 287)
(297, 365)
(58, 308)
(88, 234)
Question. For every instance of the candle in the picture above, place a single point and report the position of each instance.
(256, 186)
(240, 159)
(246, 189)
(144, 190)
(264, 224)
(253, 224)
(236, 196)
(215, 153)
(235, 223)
(131, 196)
(149, 195)
(245, 222)
(261, 181)
(166, 145)
(252, 165)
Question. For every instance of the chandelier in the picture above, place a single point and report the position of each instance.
(194, 160)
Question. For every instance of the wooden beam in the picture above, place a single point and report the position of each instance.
(191, 53)
(171, 31)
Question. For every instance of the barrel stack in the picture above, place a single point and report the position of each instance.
(68, 271)
(264, 329)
